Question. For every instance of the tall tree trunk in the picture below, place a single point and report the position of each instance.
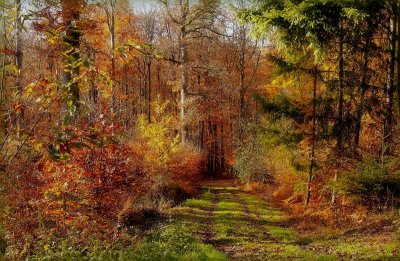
(112, 39)
(241, 105)
(387, 147)
(363, 87)
(241, 89)
(398, 66)
(18, 63)
(313, 137)
(340, 121)
(3, 76)
(149, 91)
(126, 106)
(184, 83)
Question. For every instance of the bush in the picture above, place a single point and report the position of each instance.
(75, 191)
(372, 184)
(251, 163)
(91, 184)
(173, 169)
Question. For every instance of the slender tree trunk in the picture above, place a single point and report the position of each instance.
(201, 145)
(241, 82)
(387, 147)
(340, 127)
(184, 83)
(340, 123)
(3, 73)
(18, 63)
(149, 91)
(113, 70)
(360, 108)
(313, 137)
(398, 65)
(126, 106)
(241, 105)
(222, 156)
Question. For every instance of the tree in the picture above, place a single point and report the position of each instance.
(71, 57)
(312, 31)
(190, 19)
(109, 7)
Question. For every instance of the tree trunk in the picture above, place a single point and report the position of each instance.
(126, 106)
(398, 65)
(340, 123)
(313, 137)
(387, 147)
(149, 91)
(340, 127)
(360, 108)
(3, 76)
(184, 83)
(18, 63)
(112, 39)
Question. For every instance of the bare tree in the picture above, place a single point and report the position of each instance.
(190, 19)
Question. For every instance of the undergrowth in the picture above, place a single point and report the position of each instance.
(170, 242)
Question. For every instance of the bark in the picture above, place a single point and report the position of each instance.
(18, 63)
(363, 87)
(184, 83)
(398, 66)
(313, 137)
(3, 74)
(112, 36)
(126, 106)
(387, 147)
(340, 121)
(149, 91)
(109, 9)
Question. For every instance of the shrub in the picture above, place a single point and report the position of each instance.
(173, 169)
(372, 183)
(75, 191)
(251, 162)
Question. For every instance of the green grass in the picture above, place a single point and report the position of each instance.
(247, 228)
(174, 242)
(198, 203)
(241, 227)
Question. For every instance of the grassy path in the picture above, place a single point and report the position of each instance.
(242, 227)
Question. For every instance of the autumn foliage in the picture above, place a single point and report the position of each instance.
(80, 187)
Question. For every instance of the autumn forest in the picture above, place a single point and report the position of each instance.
(199, 130)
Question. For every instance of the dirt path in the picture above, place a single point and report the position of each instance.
(245, 228)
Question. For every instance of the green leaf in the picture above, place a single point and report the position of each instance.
(86, 63)
(113, 141)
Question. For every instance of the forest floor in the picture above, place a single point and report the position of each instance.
(226, 223)
(242, 227)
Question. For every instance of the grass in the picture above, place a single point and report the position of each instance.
(235, 225)
(247, 228)
(174, 242)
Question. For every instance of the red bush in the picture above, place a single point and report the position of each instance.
(77, 189)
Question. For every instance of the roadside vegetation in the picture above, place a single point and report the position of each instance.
(199, 129)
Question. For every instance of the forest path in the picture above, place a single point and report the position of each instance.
(246, 228)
